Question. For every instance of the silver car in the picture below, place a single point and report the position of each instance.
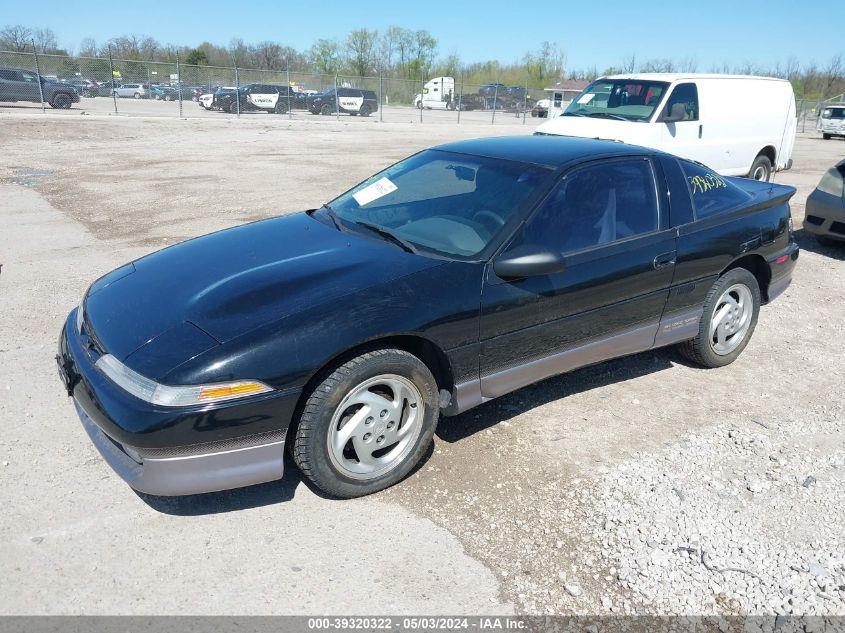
(832, 121)
(137, 91)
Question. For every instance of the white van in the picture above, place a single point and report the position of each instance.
(832, 121)
(736, 125)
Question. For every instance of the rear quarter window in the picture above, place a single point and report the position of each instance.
(711, 193)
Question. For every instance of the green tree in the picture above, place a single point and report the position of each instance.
(361, 51)
(325, 55)
(195, 57)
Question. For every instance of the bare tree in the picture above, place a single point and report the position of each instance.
(361, 51)
(388, 46)
(16, 38)
(88, 47)
(832, 75)
(45, 40)
(630, 64)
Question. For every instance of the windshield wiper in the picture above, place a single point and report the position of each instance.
(388, 235)
(608, 115)
(332, 216)
(573, 114)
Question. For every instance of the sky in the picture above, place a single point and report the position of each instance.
(601, 33)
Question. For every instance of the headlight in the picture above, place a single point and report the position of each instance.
(175, 396)
(80, 315)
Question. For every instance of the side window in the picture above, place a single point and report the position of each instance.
(27, 76)
(687, 94)
(9, 75)
(711, 194)
(597, 204)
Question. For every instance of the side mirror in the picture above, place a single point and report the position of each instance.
(677, 113)
(528, 261)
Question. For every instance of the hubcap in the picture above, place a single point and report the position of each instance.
(760, 173)
(731, 319)
(375, 426)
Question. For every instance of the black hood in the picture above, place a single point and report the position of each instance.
(233, 281)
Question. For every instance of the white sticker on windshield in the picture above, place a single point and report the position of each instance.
(378, 189)
(586, 98)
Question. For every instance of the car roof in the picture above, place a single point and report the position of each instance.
(670, 77)
(547, 150)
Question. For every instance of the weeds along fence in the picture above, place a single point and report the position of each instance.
(107, 84)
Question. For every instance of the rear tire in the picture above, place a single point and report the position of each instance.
(367, 424)
(281, 107)
(761, 169)
(365, 110)
(730, 316)
(137, 95)
(233, 107)
(826, 137)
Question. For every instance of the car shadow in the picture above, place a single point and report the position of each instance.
(808, 242)
(457, 428)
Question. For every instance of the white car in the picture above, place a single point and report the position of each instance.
(206, 100)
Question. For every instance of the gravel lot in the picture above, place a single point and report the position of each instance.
(642, 485)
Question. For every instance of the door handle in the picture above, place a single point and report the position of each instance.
(700, 130)
(663, 260)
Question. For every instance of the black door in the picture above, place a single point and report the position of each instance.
(609, 221)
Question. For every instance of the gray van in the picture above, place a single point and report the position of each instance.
(832, 121)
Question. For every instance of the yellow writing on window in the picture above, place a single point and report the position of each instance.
(703, 184)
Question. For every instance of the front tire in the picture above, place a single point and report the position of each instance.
(365, 110)
(730, 316)
(326, 110)
(281, 107)
(761, 169)
(367, 424)
(61, 102)
(233, 107)
(826, 137)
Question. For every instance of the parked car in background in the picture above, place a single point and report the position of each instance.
(453, 277)
(832, 121)
(825, 209)
(255, 98)
(206, 100)
(19, 84)
(736, 125)
(493, 90)
(136, 91)
(164, 93)
(352, 101)
(541, 108)
(84, 87)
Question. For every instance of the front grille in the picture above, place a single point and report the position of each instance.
(815, 220)
(838, 227)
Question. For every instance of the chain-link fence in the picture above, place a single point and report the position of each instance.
(144, 88)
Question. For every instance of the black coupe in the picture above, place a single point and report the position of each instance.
(451, 278)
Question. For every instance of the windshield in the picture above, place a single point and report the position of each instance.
(626, 99)
(450, 204)
(834, 113)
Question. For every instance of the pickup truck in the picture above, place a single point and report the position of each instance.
(19, 84)
(451, 278)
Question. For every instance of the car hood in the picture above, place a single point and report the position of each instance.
(633, 132)
(230, 282)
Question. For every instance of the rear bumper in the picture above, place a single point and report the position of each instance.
(782, 267)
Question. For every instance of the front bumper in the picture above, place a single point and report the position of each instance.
(825, 215)
(173, 451)
(210, 469)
